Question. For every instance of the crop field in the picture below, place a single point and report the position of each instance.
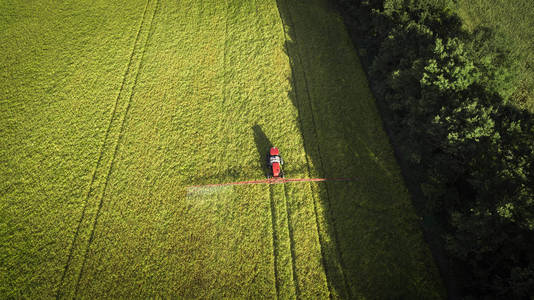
(512, 21)
(110, 112)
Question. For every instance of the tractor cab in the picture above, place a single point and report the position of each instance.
(274, 163)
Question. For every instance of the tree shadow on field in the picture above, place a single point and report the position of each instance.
(263, 144)
(371, 244)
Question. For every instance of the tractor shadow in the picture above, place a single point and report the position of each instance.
(371, 245)
(263, 144)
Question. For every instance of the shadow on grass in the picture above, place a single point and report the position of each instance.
(370, 239)
(263, 144)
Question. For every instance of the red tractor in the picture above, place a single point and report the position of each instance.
(274, 163)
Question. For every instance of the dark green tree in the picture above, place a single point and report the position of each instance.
(444, 95)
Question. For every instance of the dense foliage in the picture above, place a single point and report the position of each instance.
(444, 93)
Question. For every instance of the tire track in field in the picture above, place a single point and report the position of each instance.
(320, 158)
(299, 109)
(286, 280)
(99, 173)
(275, 242)
(291, 242)
(117, 144)
(224, 53)
(101, 154)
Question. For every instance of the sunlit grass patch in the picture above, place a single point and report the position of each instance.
(512, 22)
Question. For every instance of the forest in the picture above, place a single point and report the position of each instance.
(448, 99)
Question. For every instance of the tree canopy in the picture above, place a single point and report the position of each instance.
(444, 94)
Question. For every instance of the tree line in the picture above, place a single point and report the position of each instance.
(466, 151)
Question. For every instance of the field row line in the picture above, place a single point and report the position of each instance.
(301, 125)
(275, 241)
(87, 223)
(115, 150)
(291, 241)
(316, 138)
(284, 257)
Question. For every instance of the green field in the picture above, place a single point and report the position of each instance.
(110, 111)
(513, 23)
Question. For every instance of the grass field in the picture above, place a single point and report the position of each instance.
(110, 111)
(513, 22)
